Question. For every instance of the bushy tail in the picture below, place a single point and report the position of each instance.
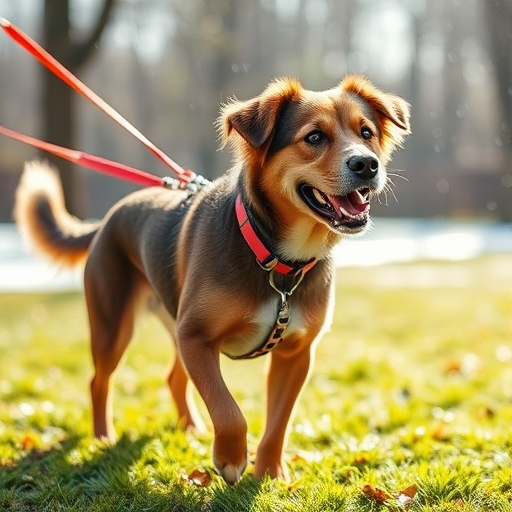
(43, 219)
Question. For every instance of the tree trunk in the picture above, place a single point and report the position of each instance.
(57, 98)
(498, 15)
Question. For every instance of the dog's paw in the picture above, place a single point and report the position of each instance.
(232, 473)
(230, 450)
(272, 469)
(229, 461)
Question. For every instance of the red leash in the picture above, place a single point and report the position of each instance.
(185, 178)
(93, 162)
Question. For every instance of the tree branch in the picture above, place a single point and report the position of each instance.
(81, 51)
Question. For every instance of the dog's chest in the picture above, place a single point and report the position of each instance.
(262, 324)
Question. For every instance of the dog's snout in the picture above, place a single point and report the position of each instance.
(365, 167)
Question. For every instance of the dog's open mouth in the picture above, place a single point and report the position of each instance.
(351, 210)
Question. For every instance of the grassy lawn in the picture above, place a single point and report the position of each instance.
(409, 406)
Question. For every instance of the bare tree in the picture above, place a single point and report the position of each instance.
(498, 16)
(57, 98)
(210, 57)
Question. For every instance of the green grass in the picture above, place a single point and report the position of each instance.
(412, 387)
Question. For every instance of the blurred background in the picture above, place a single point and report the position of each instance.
(166, 65)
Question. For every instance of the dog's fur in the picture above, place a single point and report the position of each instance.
(187, 251)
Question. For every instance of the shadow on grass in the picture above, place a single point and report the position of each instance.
(236, 497)
(71, 471)
(82, 474)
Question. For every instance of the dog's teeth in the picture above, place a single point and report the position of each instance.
(345, 213)
(319, 197)
(349, 215)
(359, 196)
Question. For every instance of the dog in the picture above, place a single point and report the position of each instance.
(242, 267)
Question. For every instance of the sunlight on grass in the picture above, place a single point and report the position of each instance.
(412, 389)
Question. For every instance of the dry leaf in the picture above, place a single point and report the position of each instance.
(360, 459)
(440, 434)
(375, 494)
(453, 367)
(198, 477)
(485, 412)
(406, 497)
(295, 486)
(465, 366)
(27, 442)
(298, 458)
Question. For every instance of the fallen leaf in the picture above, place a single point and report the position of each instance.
(375, 494)
(298, 458)
(440, 434)
(198, 477)
(27, 442)
(464, 366)
(295, 486)
(360, 459)
(485, 412)
(453, 367)
(308, 456)
(406, 496)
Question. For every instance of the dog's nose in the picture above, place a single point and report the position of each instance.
(365, 167)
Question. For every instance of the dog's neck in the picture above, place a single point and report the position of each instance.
(296, 245)
(266, 257)
(308, 239)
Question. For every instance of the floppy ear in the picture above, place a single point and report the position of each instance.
(392, 111)
(256, 119)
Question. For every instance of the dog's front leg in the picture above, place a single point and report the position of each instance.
(201, 360)
(287, 374)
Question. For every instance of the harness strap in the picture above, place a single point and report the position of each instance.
(266, 259)
(276, 334)
(269, 262)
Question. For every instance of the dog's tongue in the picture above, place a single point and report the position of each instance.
(353, 203)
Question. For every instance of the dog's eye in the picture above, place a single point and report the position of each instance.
(315, 138)
(366, 133)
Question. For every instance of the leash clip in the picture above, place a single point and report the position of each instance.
(194, 185)
(285, 293)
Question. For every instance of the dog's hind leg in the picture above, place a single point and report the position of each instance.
(110, 304)
(181, 390)
(178, 380)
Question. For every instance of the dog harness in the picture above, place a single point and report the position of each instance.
(269, 262)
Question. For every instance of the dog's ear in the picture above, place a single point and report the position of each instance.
(392, 111)
(255, 119)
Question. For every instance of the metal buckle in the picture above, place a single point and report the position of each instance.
(269, 264)
(197, 183)
(285, 294)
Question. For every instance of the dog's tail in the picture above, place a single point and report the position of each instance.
(43, 219)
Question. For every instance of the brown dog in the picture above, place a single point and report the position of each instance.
(307, 165)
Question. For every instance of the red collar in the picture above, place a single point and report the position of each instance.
(266, 259)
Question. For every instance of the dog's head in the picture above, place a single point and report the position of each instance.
(316, 157)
